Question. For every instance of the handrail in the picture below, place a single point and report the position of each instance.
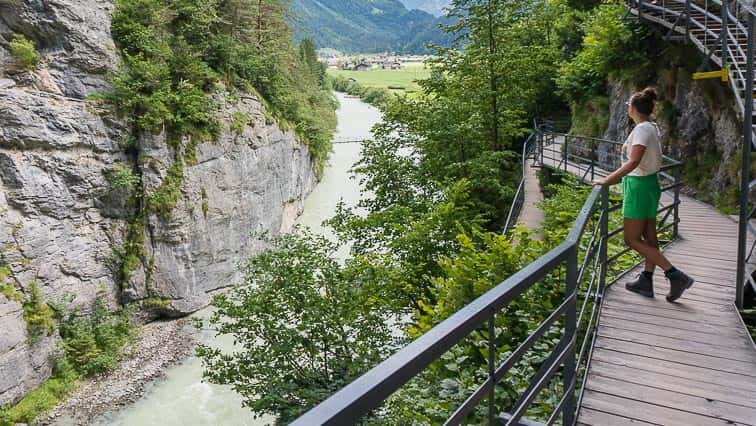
(368, 392)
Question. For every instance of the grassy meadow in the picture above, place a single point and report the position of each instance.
(398, 81)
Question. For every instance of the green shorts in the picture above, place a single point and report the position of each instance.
(641, 196)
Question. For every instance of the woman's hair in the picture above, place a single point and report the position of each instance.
(643, 101)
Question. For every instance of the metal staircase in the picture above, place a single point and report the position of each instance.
(724, 32)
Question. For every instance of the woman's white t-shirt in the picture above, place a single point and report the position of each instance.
(648, 135)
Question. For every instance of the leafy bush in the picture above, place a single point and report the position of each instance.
(91, 346)
(612, 46)
(39, 316)
(23, 51)
(122, 176)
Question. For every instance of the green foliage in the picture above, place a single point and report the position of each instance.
(239, 121)
(175, 51)
(122, 176)
(480, 264)
(165, 198)
(92, 344)
(305, 326)
(43, 398)
(590, 117)
(205, 203)
(612, 46)
(11, 292)
(373, 95)
(5, 272)
(132, 253)
(23, 51)
(156, 303)
(39, 316)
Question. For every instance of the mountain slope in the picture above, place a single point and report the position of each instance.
(360, 26)
(434, 7)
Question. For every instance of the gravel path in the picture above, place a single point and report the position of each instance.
(159, 345)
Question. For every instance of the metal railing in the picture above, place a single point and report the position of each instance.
(584, 265)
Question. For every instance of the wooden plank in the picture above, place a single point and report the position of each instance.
(702, 330)
(713, 409)
(673, 383)
(677, 356)
(693, 308)
(646, 412)
(721, 348)
(737, 382)
(678, 318)
(590, 417)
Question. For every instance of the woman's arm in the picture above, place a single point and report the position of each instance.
(636, 154)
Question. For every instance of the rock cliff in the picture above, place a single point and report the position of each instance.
(63, 223)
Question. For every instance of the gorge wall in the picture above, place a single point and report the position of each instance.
(62, 221)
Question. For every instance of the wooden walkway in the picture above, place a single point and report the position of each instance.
(685, 363)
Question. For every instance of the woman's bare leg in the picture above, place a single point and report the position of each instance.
(649, 237)
(634, 230)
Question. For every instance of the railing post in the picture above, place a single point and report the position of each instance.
(491, 368)
(593, 161)
(676, 208)
(570, 331)
(745, 179)
(604, 244)
(723, 33)
(687, 21)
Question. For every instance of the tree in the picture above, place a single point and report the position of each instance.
(305, 326)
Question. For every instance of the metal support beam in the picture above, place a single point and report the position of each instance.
(745, 178)
(570, 330)
(723, 34)
(722, 74)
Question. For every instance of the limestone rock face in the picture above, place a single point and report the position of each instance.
(252, 179)
(73, 37)
(63, 223)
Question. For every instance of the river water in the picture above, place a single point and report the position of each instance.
(182, 398)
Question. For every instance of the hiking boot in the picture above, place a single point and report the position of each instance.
(644, 285)
(678, 283)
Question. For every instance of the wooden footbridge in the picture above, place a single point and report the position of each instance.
(622, 359)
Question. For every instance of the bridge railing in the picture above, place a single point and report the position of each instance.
(581, 263)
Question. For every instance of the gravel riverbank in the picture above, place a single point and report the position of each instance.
(159, 345)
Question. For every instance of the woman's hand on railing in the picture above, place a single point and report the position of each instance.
(600, 182)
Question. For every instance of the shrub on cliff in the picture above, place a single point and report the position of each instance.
(23, 51)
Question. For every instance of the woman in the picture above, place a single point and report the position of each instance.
(641, 192)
